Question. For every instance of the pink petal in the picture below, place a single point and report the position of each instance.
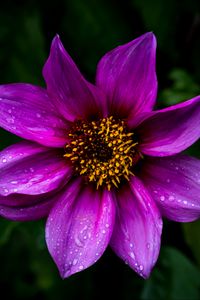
(79, 228)
(174, 183)
(28, 112)
(74, 96)
(127, 76)
(170, 130)
(27, 168)
(138, 227)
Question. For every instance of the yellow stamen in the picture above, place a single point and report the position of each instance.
(102, 151)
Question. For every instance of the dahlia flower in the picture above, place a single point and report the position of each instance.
(97, 160)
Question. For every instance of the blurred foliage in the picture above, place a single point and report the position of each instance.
(171, 280)
(88, 29)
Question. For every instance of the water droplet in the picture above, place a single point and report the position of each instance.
(80, 267)
(10, 111)
(78, 242)
(74, 261)
(141, 267)
(171, 198)
(132, 255)
(162, 198)
(131, 245)
(107, 225)
(185, 202)
(103, 231)
(148, 246)
(4, 160)
(14, 182)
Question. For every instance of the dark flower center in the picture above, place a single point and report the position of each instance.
(103, 151)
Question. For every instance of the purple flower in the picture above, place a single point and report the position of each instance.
(97, 160)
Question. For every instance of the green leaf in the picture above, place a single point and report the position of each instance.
(183, 87)
(191, 232)
(6, 230)
(175, 278)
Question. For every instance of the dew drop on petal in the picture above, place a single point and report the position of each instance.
(14, 182)
(141, 267)
(162, 198)
(74, 261)
(132, 255)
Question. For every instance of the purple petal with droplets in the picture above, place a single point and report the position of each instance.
(28, 213)
(28, 112)
(170, 130)
(127, 76)
(174, 183)
(74, 96)
(28, 168)
(79, 228)
(137, 232)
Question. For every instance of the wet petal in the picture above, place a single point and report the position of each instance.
(31, 212)
(138, 227)
(75, 97)
(170, 130)
(28, 112)
(28, 168)
(127, 76)
(79, 228)
(174, 183)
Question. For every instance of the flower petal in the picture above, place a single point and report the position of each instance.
(138, 227)
(174, 183)
(75, 97)
(27, 168)
(170, 130)
(79, 228)
(127, 76)
(28, 213)
(28, 112)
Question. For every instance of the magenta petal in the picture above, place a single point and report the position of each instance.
(170, 130)
(74, 96)
(28, 213)
(28, 112)
(174, 183)
(127, 76)
(137, 232)
(27, 168)
(79, 228)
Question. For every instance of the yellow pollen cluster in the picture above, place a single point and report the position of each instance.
(103, 151)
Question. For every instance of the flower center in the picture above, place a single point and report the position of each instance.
(104, 151)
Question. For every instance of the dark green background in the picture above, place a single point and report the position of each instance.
(88, 29)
